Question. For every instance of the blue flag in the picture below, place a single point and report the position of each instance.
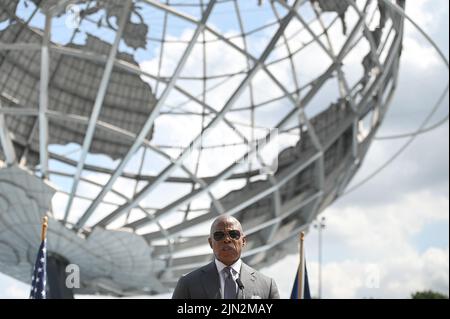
(306, 292)
(39, 277)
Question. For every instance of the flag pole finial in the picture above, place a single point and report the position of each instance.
(44, 227)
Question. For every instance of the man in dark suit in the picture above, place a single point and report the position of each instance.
(227, 277)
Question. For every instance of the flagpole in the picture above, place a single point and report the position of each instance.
(301, 269)
(44, 228)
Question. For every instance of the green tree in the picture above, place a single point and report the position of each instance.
(428, 294)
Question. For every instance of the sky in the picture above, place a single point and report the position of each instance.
(389, 237)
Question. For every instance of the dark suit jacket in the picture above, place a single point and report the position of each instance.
(204, 283)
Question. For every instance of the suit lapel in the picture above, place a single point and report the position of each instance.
(248, 280)
(210, 281)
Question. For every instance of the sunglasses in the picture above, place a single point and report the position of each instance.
(220, 235)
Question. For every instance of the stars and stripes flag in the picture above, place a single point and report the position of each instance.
(39, 277)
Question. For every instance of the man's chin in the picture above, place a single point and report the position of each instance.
(228, 259)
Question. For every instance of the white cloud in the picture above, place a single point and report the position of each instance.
(420, 55)
(426, 13)
(430, 15)
(386, 229)
(396, 277)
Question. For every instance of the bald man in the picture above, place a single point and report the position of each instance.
(227, 276)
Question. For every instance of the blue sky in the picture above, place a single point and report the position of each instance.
(396, 226)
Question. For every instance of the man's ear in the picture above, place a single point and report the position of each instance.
(244, 240)
(210, 242)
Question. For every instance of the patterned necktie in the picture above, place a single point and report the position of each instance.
(230, 286)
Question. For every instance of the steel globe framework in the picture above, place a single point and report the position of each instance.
(133, 124)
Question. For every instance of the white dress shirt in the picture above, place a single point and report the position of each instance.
(235, 270)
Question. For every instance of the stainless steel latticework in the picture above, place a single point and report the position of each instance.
(149, 118)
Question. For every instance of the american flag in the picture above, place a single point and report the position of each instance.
(39, 278)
